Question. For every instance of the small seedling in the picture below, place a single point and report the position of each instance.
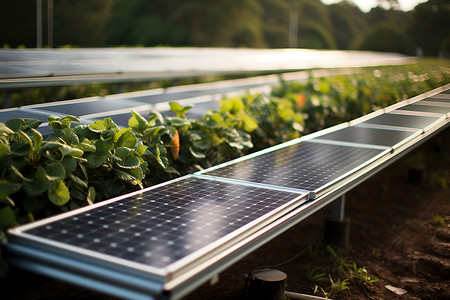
(439, 220)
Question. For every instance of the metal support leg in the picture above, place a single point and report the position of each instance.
(8, 99)
(338, 209)
(337, 230)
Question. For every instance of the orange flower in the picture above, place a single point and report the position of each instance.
(175, 149)
(301, 100)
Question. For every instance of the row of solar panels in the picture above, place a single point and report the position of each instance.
(203, 96)
(53, 67)
(166, 240)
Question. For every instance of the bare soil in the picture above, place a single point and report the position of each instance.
(399, 232)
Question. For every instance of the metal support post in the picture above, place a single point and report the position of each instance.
(8, 99)
(338, 209)
(337, 229)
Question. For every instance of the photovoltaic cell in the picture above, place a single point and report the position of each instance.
(89, 107)
(440, 99)
(409, 121)
(162, 225)
(6, 115)
(306, 166)
(426, 108)
(370, 136)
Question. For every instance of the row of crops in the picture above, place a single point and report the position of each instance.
(79, 165)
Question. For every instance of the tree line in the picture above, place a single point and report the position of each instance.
(223, 23)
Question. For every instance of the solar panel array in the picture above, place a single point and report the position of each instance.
(178, 233)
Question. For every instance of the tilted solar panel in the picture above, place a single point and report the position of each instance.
(403, 120)
(426, 108)
(87, 107)
(369, 136)
(162, 229)
(306, 166)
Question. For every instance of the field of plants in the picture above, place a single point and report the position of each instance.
(78, 165)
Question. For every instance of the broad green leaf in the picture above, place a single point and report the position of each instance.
(59, 193)
(94, 161)
(179, 122)
(171, 170)
(8, 188)
(132, 162)
(37, 139)
(124, 176)
(19, 174)
(141, 149)
(126, 138)
(201, 144)
(137, 122)
(137, 173)
(250, 124)
(22, 124)
(7, 217)
(69, 136)
(78, 182)
(155, 118)
(196, 153)
(91, 196)
(26, 139)
(153, 131)
(4, 149)
(5, 130)
(66, 150)
(123, 152)
(86, 146)
(36, 187)
(70, 164)
(104, 147)
(178, 109)
(55, 171)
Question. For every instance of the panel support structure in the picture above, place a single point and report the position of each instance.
(337, 229)
(338, 209)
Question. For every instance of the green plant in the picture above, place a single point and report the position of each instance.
(341, 273)
(440, 221)
(335, 287)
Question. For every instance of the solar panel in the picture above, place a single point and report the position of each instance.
(402, 120)
(445, 98)
(8, 114)
(88, 107)
(446, 92)
(306, 166)
(426, 108)
(369, 136)
(165, 227)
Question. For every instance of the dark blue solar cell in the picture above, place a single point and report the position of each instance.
(306, 165)
(88, 107)
(427, 108)
(162, 225)
(439, 98)
(371, 136)
(400, 120)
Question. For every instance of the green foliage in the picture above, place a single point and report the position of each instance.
(66, 169)
(440, 221)
(332, 282)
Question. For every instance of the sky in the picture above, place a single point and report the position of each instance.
(366, 5)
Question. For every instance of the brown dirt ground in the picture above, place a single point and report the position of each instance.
(394, 234)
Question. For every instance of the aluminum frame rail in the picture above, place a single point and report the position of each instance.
(79, 246)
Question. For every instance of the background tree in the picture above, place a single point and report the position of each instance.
(429, 27)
